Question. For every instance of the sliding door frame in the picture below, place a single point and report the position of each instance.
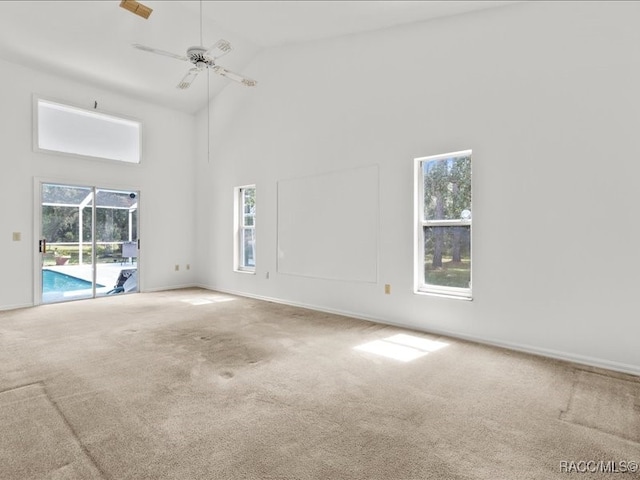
(37, 226)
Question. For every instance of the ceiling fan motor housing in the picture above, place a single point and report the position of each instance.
(197, 56)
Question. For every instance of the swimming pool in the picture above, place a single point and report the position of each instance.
(61, 282)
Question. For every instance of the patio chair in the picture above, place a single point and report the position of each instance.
(126, 275)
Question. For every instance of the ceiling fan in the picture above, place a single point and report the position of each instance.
(202, 58)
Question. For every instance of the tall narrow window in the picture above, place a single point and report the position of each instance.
(245, 260)
(443, 227)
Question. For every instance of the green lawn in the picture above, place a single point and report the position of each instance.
(104, 254)
(451, 274)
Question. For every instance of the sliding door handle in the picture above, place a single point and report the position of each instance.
(42, 245)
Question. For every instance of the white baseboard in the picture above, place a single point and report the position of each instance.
(16, 306)
(544, 352)
(156, 289)
(172, 287)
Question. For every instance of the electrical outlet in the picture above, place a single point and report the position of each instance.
(177, 267)
(387, 289)
(17, 236)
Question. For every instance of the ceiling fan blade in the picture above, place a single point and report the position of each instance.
(188, 79)
(159, 52)
(218, 49)
(236, 77)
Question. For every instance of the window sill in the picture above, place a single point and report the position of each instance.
(454, 296)
(246, 272)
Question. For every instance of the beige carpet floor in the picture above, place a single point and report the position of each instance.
(193, 384)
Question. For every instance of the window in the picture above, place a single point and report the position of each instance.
(443, 227)
(245, 250)
(65, 129)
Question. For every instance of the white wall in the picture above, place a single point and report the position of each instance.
(545, 93)
(165, 178)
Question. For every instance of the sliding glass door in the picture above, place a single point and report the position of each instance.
(89, 242)
(116, 239)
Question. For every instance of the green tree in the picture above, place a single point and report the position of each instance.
(60, 224)
(447, 193)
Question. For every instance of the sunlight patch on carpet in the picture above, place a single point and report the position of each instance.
(206, 300)
(402, 347)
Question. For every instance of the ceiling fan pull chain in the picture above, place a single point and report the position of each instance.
(201, 22)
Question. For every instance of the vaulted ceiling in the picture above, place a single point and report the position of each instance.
(90, 41)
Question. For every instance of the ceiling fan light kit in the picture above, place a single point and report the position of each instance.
(137, 8)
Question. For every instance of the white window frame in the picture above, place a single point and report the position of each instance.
(83, 112)
(240, 227)
(420, 287)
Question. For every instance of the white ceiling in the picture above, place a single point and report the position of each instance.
(90, 41)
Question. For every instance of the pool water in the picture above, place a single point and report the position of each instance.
(61, 282)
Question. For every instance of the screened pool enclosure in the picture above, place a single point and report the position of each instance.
(88, 243)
